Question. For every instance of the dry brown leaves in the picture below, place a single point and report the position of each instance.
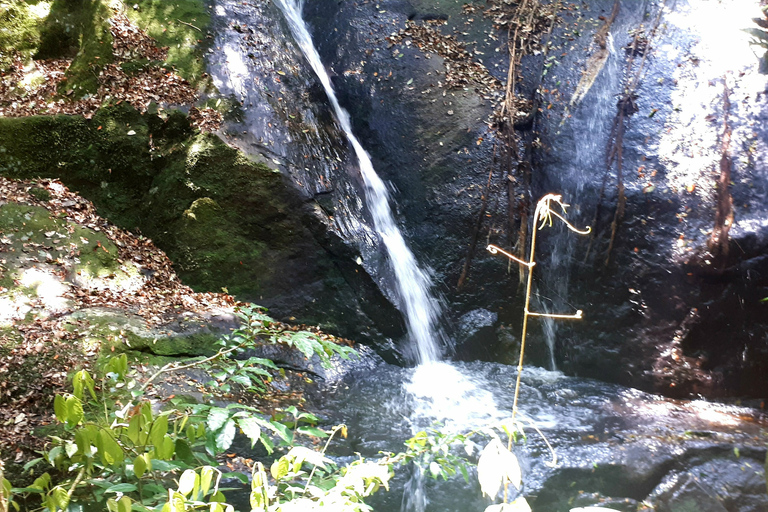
(32, 89)
(160, 299)
(34, 368)
(460, 69)
(207, 119)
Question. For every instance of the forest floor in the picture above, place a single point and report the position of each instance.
(58, 257)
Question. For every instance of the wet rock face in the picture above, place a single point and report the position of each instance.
(428, 140)
(667, 307)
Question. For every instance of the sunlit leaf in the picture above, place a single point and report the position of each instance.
(251, 428)
(225, 437)
(217, 417)
(496, 466)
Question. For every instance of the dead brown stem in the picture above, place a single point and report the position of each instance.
(718, 241)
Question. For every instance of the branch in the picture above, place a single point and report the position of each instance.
(188, 24)
(171, 368)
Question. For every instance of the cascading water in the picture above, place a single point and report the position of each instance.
(419, 307)
(461, 404)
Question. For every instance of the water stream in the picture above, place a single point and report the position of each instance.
(421, 310)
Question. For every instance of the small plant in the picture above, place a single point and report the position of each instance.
(229, 365)
(498, 466)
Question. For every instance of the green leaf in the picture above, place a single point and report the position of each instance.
(463, 469)
(217, 417)
(108, 449)
(188, 481)
(206, 477)
(31, 464)
(42, 482)
(166, 448)
(241, 379)
(253, 361)
(191, 433)
(281, 430)
(225, 437)
(54, 455)
(60, 408)
(140, 465)
(250, 427)
(267, 443)
(74, 411)
(124, 505)
(70, 449)
(134, 428)
(311, 431)
(83, 380)
(243, 478)
(123, 487)
(280, 468)
(60, 497)
(118, 365)
(83, 440)
(166, 465)
(158, 431)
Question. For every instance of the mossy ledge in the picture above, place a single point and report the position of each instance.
(225, 221)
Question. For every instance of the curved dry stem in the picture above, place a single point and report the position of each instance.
(553, 463)
(495, 250)
(576, 316)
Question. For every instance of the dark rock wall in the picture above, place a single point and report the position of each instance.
(663, 313)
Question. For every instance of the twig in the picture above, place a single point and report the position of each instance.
(171, 368)
(189, 25)
(77, 481)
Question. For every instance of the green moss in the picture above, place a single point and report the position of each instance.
(224, 220)
(168, 22)
(78, 29)
(10, 337)
(40, 193)
(20, 28)
(115, 330)
(36, 237)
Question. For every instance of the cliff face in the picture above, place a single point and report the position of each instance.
(643, 112)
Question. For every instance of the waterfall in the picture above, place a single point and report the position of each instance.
(421, 310)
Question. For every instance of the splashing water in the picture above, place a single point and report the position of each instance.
(421, 310)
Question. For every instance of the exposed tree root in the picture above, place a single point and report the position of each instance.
(625, 108)
(596, 61)
(718, 241)
(478, 224)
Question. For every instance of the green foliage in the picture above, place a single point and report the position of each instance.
(256, 324)
(128, 456)
(431, 451)
(117, 453)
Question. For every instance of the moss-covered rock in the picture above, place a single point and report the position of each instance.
(43, 255)
(20, 29)
(78, 29)
(179, 26)
(225, 220)
(115, 329)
